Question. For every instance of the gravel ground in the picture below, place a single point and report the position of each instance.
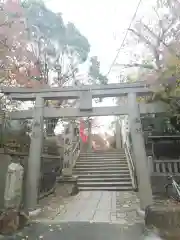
(52, 205)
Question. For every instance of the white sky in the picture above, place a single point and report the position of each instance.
(104, 23)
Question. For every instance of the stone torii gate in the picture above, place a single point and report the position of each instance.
(85, 94)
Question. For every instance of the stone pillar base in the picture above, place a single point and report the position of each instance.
(69, 183)
(67, 172)
(165, 218)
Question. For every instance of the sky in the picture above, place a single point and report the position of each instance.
(104, 23)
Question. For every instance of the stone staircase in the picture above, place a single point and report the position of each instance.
(103, 171)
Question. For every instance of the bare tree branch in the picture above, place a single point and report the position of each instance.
(163, 42)
(150, 45)
(146, 66)
(145, 40)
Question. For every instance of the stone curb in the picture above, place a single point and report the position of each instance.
(140, 212)
(35, 212)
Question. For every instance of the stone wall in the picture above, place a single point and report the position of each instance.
(164, 219)
(159, 182)
(51, 167)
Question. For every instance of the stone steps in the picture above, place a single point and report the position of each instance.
(104, 184)
(101, 171)
(103, 155)
(84, 169)
(100, 155)
(106, 188)
(105, 175)
(103, 159)
(107, 171)
(99, 165)
(104, 179)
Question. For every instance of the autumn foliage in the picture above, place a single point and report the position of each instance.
(18, 63)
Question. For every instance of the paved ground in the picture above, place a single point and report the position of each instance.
(81, 231)
(100, 207)
(90, 216)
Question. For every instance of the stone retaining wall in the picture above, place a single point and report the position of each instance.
(165, 218)
(159, 182)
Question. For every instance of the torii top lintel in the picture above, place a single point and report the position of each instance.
(97, 91)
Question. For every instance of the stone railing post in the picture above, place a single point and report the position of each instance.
(2, 126)
(34, 160)
(150, 165)
(144, 184)
(73, 134)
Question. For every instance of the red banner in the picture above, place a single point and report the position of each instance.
(83, 136)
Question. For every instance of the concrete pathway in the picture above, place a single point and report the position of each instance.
(91, 216)
(111, 207)
(80, 231)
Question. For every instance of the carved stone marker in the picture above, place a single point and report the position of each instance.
(5, 160)
(13, 188)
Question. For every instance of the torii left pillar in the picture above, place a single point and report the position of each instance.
(34, 161)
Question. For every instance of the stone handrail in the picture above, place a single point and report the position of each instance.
(131, 166)
(71, 148)
(75, 153)
(164, 167)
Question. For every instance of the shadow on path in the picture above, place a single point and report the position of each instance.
(80, 231)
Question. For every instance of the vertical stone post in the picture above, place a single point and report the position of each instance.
(5, 162)
(144, 184)
(89, 135)
(150, 165)
(2, 118)
(68, 142)
(73, 136)
(118, 135)
(81, 146)
(34, 160)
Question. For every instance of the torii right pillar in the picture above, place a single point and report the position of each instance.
(144, 183)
